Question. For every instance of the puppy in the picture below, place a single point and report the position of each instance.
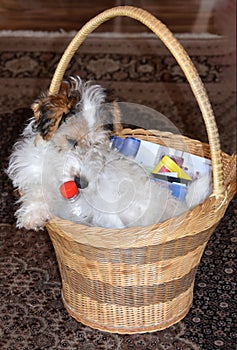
(66, 141)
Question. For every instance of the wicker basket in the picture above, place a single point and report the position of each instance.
(141, 279)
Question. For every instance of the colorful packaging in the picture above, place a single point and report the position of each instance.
(169, 167)
(166, 164)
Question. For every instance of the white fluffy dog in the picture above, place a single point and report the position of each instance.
(67, 141)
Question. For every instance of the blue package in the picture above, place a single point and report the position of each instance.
(130, 147)
(179, 191)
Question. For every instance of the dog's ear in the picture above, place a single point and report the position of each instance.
(92, 97)
(50, 109)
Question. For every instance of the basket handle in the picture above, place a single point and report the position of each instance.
(181, 57)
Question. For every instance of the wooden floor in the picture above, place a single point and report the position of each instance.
(180, 15)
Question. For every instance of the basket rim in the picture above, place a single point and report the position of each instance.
(87, 234)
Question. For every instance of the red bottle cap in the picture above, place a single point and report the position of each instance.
(69, 189)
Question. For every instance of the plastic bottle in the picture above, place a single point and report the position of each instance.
(117, 142)
(128, 146)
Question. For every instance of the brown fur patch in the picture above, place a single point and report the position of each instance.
(49, 109)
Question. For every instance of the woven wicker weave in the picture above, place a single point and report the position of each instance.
(141, 279)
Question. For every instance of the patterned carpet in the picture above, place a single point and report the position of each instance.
(32, 315)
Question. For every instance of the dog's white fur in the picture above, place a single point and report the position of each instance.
(119, 194)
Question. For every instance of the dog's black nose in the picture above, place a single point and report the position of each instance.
(81, 182)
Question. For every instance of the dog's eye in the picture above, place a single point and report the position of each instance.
(81, 182)
(72, 142)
